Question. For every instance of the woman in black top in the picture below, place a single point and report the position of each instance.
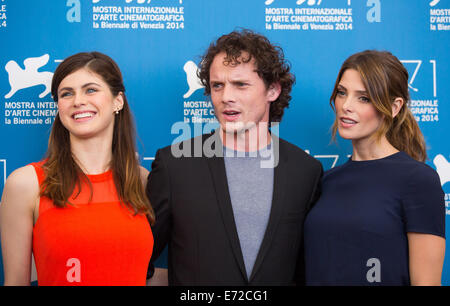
(381, 216)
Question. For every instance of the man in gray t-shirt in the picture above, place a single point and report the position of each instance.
(233, 214)
(251, 198)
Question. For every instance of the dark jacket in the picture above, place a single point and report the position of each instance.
(194, 216)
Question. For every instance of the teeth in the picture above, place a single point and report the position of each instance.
(348, 121)
(83, 115)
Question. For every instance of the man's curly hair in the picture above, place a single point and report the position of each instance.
(270, 64)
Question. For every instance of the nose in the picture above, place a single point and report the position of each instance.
(228, 94)
(78, 100)
(347, 104)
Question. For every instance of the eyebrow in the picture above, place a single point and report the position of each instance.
(361, 92)
(84, 86)
(233, 81)
(245, 81)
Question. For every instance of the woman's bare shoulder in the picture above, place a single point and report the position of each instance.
(21, 186)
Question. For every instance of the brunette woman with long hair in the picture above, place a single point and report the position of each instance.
(381, 217)
(82, 211)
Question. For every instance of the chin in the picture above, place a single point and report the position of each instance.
(83, 135)
(233, 127)
(346, 135)
(83, 132)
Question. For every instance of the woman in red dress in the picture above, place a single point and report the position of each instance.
(82, 211)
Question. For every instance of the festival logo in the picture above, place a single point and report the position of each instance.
(442, 168)
(434, 2)
(3, 15)
(306, 15)
(308, 2)
(423, 89)
(164, 15)
(418, 63)
(29, 111)
(192, 79)
(137, 1)
(439, 17)
(196, 111)
(30, 76)
(329, 161)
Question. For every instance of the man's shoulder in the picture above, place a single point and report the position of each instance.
(296, 153)
(192, 147)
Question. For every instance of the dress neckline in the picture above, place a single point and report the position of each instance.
(392, 156)
(100, 177)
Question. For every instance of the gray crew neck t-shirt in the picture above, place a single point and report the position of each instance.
(251, 189)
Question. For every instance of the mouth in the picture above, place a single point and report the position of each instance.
(347, 122)
(83, 116)
(231, 115)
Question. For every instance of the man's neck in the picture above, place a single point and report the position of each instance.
(250, 140)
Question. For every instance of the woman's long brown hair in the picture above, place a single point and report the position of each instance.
(385, 79)
(63, 174)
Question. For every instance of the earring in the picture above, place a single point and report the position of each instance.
(117, 111)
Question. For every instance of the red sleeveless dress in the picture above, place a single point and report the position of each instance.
(97, 242)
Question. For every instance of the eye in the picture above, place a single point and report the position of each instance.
(91, 90)
(216, 85)
(64, 94)
(241, 84)
(340, 93)
(364, 99)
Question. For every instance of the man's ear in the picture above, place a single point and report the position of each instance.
(274, 91)
(397, 106)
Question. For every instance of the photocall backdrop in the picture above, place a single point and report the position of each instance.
(158, 43)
